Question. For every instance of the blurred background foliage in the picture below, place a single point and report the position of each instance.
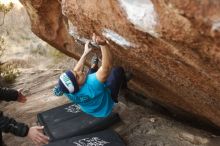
(5, 9)
(7, 72)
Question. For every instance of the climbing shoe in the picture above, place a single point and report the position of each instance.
(128, 76)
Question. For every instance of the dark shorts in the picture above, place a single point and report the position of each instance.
(115, 82)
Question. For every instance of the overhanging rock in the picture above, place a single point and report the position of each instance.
(172, 47)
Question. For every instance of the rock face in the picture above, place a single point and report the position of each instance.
(171, 46)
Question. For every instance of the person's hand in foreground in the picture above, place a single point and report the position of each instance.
(21, 97)
(36, 135)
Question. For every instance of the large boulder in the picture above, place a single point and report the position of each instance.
(171, 46)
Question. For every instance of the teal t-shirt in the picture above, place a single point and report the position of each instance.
(93, 97)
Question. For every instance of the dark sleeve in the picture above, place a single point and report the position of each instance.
(7, 94)
(9, 125)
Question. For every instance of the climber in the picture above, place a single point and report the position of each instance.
(97, 92)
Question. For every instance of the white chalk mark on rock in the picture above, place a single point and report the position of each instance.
(142, 14)
(118, 39)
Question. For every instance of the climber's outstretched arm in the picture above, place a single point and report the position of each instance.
(104, 70)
